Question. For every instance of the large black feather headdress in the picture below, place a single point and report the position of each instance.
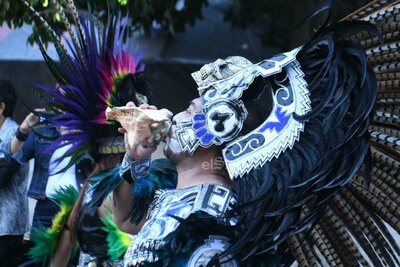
(281, 192)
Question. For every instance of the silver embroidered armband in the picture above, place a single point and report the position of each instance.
(132, 170)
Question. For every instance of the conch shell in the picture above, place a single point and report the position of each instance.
(143, 126)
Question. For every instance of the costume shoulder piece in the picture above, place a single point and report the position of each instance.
(169, 210)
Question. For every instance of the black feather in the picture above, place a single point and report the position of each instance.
(330, 150)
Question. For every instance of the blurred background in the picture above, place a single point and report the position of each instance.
(177, 37)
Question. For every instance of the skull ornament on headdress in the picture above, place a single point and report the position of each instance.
(220, 121)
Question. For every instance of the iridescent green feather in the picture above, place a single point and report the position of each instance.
(118, 241)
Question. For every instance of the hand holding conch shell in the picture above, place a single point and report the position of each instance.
(143, 126)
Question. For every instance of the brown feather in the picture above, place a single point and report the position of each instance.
(368, 226)
(297, 251)
(340, 239)
(389, 213)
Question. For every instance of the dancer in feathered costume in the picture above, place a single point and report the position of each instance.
(98, 71)
(293, 131)
(293, 134)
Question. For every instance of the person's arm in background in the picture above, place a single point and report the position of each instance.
(23, 132)
(17, 151)
(27, 150)
(123, 200)
(11, 164)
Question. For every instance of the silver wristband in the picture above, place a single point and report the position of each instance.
(132, 170)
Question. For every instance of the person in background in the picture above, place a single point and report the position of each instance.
(84, 226)
(14, 221)
(49, 174)
(35, 146)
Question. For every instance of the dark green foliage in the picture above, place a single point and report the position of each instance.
(143, 14)
(275, 21)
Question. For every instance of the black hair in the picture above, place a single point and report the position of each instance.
(8, 96)
(133, 85)
(258, 102)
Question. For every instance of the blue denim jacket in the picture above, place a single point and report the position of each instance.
(35, 147)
